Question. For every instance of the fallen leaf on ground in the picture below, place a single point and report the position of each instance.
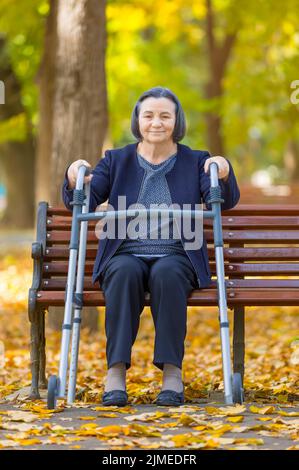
(266, 410)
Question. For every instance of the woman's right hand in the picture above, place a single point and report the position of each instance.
(72, 173)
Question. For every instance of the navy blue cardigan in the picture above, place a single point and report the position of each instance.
(119, 174)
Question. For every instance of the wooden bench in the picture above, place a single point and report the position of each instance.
(261, 245)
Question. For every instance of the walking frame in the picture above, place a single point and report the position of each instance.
(233, 391)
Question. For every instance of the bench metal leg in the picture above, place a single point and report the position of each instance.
(43, 383)
(239, 340)
(34, 355)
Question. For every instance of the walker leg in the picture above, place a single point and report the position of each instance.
(57, 385)
(215, 199)
(67, 325)
(74, 357)
(79, 304)
(224, 328)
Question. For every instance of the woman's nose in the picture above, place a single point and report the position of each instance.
(156, 122)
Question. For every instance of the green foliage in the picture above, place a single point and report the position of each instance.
(22, 25)
(13, 129)
(160, 42)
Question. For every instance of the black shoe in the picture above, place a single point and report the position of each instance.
(170, 398)
(115, 397)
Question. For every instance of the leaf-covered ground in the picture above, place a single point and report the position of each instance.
(268, 418)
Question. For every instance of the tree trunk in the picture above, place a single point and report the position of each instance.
(80, 104)
(80, 109)
(17, 158)
(218, 56)
(46, 83)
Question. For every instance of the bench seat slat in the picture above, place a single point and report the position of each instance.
(60, 284)
(204, 297)
(61, 267)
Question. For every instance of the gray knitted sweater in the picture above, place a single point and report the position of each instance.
(154, 190)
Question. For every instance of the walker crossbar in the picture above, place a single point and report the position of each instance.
(233, 391)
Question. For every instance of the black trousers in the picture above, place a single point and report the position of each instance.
(169, 279)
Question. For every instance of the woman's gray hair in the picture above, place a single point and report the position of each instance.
(160, 92)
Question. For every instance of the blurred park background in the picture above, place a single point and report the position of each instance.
(72, 71)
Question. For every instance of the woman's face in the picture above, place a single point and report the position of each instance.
(157, 120)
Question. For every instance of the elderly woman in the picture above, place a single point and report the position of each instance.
(154, 170)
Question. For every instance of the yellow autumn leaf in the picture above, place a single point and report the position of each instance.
(240, 429)
(154, 445)
(88, 432)
(104, 408)
(183, 440)
(8, 443)
(115, 409)
(250, 441)
(186, 409)
(212, 444)
(235, 419)
(266, 410)
(148, 416)
(232, 410)
(189, 420)
(24, 416)
(141, 430)
(226, 410)
(218, 429)
(113, 429)
(225, 440)
(87, 418)
(88, 426)
(17, 426)
(212, 410)
(199, 428)
(28, 442)
(290, 413)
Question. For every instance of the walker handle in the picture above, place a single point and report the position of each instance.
(214, 169)
(87, 170)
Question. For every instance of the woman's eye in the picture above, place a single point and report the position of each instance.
(148, 116)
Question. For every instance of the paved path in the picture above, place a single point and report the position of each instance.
(59, 431)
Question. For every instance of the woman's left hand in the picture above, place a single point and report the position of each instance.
(222, 165)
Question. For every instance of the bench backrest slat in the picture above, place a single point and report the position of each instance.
(261, 246)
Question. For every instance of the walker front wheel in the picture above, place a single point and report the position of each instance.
(238, 391)
(52, 392)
